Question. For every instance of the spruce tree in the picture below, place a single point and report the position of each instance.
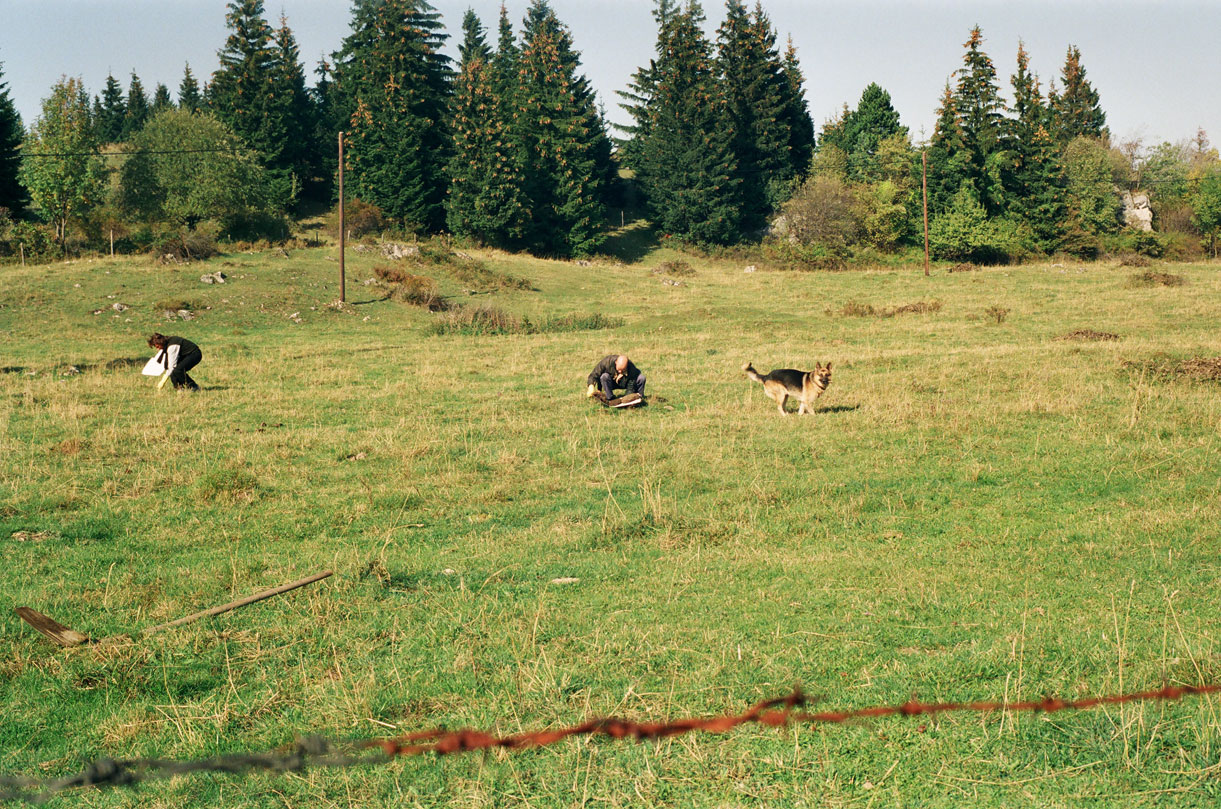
(137, 110)
(1077, 110)
(859, 133)
(755, 89)
(796, 114)
(686, 162)
(329, 121)
(640, 91)
(113, 110)
(504, 62)
(395, 82)
(1034, 184)
(485, 199)
(161, 99)
(12, 195)
(290, 102)
(980, 110)
(247, 94)
(189, 98)
(949, 159)
(567, 152)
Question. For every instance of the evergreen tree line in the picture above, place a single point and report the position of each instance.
(1006, 180)
(507, 146)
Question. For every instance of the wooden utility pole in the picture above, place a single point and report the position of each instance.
(342, 280)
(924, 184)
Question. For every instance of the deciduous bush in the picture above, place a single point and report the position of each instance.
(965, 234)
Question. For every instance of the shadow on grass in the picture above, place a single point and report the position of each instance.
(839, 408)
(631, 243)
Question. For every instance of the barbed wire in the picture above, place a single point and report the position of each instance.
(316, 751)
(132, 152)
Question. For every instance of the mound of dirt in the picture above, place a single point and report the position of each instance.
(1088, 334)
(1195, 369)
(1202, 368)
(1151, 278)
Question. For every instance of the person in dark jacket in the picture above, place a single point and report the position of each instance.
(615, 371)
(177, 355)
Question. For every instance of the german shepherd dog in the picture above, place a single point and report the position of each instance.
(804, 386)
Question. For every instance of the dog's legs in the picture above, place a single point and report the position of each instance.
(801, 408)
(781, 399)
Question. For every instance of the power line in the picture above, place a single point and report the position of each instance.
(140, 151)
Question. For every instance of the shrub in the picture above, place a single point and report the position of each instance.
(37, 241)
(965, 234)
(360, 219)
(826, 211)
(1138, 242)
(186, 245)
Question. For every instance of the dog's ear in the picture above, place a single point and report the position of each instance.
(828, 366)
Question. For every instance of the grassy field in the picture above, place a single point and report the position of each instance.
(978, 510)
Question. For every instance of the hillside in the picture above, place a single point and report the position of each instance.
(978, 510)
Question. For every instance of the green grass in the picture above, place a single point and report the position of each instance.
(977, 511)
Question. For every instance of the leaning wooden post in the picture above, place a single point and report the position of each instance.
(342, 280)
(924, 184)
(112, 242)
(23, 254)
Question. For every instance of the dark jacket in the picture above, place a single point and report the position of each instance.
(606, 365)
(185, 349)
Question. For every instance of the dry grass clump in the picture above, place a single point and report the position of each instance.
(997, 313)
(489, 320)
(1088, 335)
(1152, 278)
(674, 267)
(914, 308)
(1134, 260)
(965, 266)
(479, 277)
(856, 309)
(477, 320)
(417, 290)
(1195, 369)
(172, 305)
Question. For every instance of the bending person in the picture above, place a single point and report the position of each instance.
(615, 371)
(177, 355)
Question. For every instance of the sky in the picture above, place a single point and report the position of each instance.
(1155, 63)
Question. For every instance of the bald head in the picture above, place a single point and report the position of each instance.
(621, 363)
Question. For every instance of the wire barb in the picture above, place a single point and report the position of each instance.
(316, 751)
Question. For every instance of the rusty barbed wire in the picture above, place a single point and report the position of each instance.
(316, 751)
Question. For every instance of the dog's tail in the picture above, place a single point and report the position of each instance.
(751, 372)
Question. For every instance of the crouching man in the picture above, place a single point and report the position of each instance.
(615, 372)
